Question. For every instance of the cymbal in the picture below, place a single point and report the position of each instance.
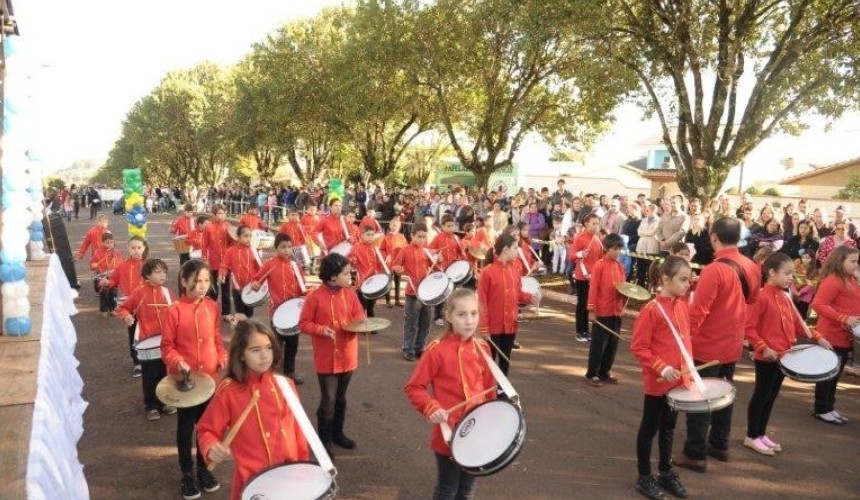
(633, 291)
(171, 391)
(367, 325)
(478, 253)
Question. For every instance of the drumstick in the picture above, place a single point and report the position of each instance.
(498, 350)
(474, 396)
(610, 330)
(799, 317)
(686, 370)
(239, 421)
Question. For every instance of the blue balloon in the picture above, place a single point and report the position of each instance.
(12, 272)
(36, 226)
(12, 256)
(37, 236)
(18, 326)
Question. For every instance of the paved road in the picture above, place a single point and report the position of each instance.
(580, 441)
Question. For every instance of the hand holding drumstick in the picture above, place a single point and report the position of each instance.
(675, 374)
(221, 451)
(441, 415)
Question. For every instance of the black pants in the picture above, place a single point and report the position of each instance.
(452, 482)
(131, 348)
(239, 306)
(107, 300)
(825, 392)
(223, 290)
(642, 267)
(333, 388)
(601, 352)
(581, 306)
(657, 417)
(711, 428)
(396, 289)
(152, 372)
(291, 348)
(505, 343)
(183, 258)
(367, 304)
(186, 421)
(94, 209)
(768, 381)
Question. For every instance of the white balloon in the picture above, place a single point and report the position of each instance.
(37, 245)
(16, 216)
(37, 255)
(36, 213)
(23, 305)
(10, 308)
(15, 173)
(22, 289)
(16, 250)
(8, 292)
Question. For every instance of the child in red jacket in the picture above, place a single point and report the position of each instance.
(604, 308)
(238, 267)
(105, 260)
(126, 278)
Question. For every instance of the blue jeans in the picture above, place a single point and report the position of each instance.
(416, 325)
(452, 483)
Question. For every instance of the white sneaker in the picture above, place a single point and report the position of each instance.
(440, 322)
(839, 417)
(758, 446)
(829, 417)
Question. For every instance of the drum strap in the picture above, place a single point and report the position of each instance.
(688, 359)
(304, 423)
(523, 259)
(382, 261)
(500, 377)
(343, 225)
(299, 277)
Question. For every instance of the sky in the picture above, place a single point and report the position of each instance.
(91, 60)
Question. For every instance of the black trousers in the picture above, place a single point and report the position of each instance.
(291, 348)
(452, 482)
(581, 306)
(223, 290)
(768, 381)
(396, 290)
(94, 209)
(438, 310)
(239, 306)
(186, 421)
(131, 343)
(505, 343)
(657, 419)
(107, 300)
(825, 392)
(183, 258)
(333, 388)
(152, 371)
(604, 345)
(368, 305)
(642, 267)
(710, 428)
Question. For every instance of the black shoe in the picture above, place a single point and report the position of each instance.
(670, 482)
(647, 486)
(207, 480)
(188, 487)
(516, 345)
(408, 356)
(297, 378)
(343, 441)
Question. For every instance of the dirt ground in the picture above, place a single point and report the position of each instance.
(580, 441)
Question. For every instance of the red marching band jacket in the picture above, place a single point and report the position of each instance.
(105, 260)
(450, 371)
(416, 266)
(148, 304)
(182, 225)
(448, 246)
(499, 295)
(93, 239)
(772, 322)
(252, 221)
(603, 298)
(333, 308)
(192, 333)
(283, 283)
(836, 300)
(391, 245)
(584, 265)
(240, 261)
(331, 229)
(654, 345)
(365, 260)
(216, 240)
(126, 276)
(295, 231)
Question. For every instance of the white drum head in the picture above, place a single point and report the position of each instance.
(809, 360)
(375, 284)
(342, 248)
(287, 314)
(716, 388)
(153, 342)
(530, 285)
(433, 286)
(250, 296)
(458, 270)
(485, 433)
(301, 481)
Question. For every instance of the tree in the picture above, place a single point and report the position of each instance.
(499, 70)
(851, 191)
(693, 56)
(54, 182)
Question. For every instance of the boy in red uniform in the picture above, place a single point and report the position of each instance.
(367, 261)
(273, 437)
(584, 253)
(93, 238)
(252, 219)
(331, 229)
(238, 267)
(146, 308)
(195, 238)
(352, 228)
(182, 227)
(216, 241)
(293, 228)
(452, 371)
(127, 278)
(286, 282)
(391, 245)
(415, 261)
(605, 305)
(192, 342)
(447, 246)
(105, 260)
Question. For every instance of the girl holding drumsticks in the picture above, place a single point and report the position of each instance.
(457, 373)
(271, 435)
(655, 347)
(773, 327)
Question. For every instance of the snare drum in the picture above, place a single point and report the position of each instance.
(459, 271)
(531, 286)
(301, 255)
(489, 437)
(97, 278)
(286, 317)
(435, 288)
(342, 248)
(262, 240)
(254, 298)
(180, 245)
(295, 481)
(149, 349)
(809, 363)
(721, 393)
(376, 286)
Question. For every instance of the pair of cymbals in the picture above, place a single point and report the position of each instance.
(367, 325)
(193, 389)
(478, 253)
(633, 291)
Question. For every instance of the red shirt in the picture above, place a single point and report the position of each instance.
(126, 276)
(363, 257)
(182, 225)
(309, 224)
(718, 312)
(216, 240)
(269, 436)
(327, 307)
(525, 250)
(654, 344)
(241, 263)
(391, 245)
(148, 304)
(331, 229)
(416, 265)
(772, 322)
(369, 220)
(455, 370)
(195, 241)
(93, 239)
(448, 246)
(582, 242)
(499, 295)
(836, 300)
(603, 298)
(252, 221)
(283, 283)
(295, 231)
(105, 260)
(192, 333)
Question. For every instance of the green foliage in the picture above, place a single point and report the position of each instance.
(54, 182)
(753, 190)
(851, 191)
(732, 190)
(772, 191)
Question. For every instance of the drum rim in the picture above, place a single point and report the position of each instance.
(146, 339)
(704, 406)
(446, 292)
(379, 293)
(331, 489)
(465, 277)
(506, 457)
(809, 378)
